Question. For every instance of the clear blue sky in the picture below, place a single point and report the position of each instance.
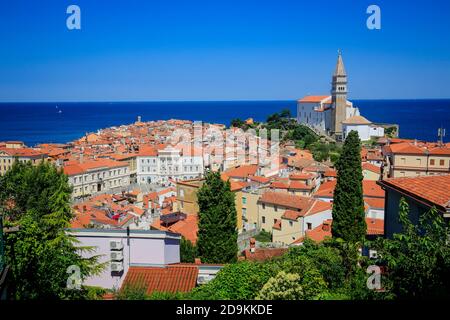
(221, 49)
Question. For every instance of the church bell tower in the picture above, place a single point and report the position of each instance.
(339, 97)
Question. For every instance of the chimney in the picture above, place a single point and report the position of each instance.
(197, 261)
(252, 245)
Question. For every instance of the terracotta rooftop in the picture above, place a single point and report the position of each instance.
(242, 171)
(434, 190)
(375, 203)
(375, 226)
(170, 278)
(371, 167)
(313, 99)
(262, 254)
(188, 227)
(356, 120)
(286, 200)
(80, 167)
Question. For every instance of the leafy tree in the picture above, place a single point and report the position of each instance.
(217, 226)
(36, 200)
(311, 279)
(348, 204)
(237, 123)
(188, 251)
(326, 259)
(284, 286)
(418, 258)
(135, 291)
(237, 281)
(264, 236)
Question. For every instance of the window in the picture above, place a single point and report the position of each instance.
(181, 193)
(264, 206)
(309, 225)
(441, 162)
(275, 208)
(244, 212)
(432, 162)
(263, 219)
(291, 223)
(244, 200)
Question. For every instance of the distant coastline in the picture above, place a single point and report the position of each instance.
(41, 122)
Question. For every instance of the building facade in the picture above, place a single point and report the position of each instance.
(9, 155)
(412, 159)
(95, 176)
(325, 113)
(168, 163)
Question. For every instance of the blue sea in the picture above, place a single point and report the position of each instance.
(36, 123)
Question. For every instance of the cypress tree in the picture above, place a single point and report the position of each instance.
(348, 205)
(188, 251)
(217, 226)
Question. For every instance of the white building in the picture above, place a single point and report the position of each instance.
(94, 176)
(316, 112)
(364, 127)
(174, 163)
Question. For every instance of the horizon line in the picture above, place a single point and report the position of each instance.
(231, 100)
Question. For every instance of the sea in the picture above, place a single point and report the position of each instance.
(62, 122)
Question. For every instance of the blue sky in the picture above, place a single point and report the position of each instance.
(221, 49)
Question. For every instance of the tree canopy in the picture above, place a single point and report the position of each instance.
(217, 226)
(36, 200)
(348, 204)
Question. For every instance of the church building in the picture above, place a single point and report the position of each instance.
(326, 113)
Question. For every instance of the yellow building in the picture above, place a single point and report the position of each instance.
(9, 155)
(187, 201)
(288, 216)
(187, 196)
(371, 172)
(249, 209)
(412, 159)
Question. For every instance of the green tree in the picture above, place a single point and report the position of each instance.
(418, 258)
(237, 123)
(188, 251)
(348, 204)
(236, 281)
(217, 226)
(36, 201)
(284, 286)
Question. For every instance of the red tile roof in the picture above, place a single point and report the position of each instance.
(286, 200)
(262, 254)
(299, 185)
(78, 168)
(375, 203)
(242, 171)
(279, 185)
(262, 180)
(188, 227)
(313, 99)
(372, 190)
(375, 226)
(435, 190)
(23, 152)
(170, 278)
(371, 167)
(326, 189)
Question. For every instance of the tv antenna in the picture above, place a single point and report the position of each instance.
(441, 135)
